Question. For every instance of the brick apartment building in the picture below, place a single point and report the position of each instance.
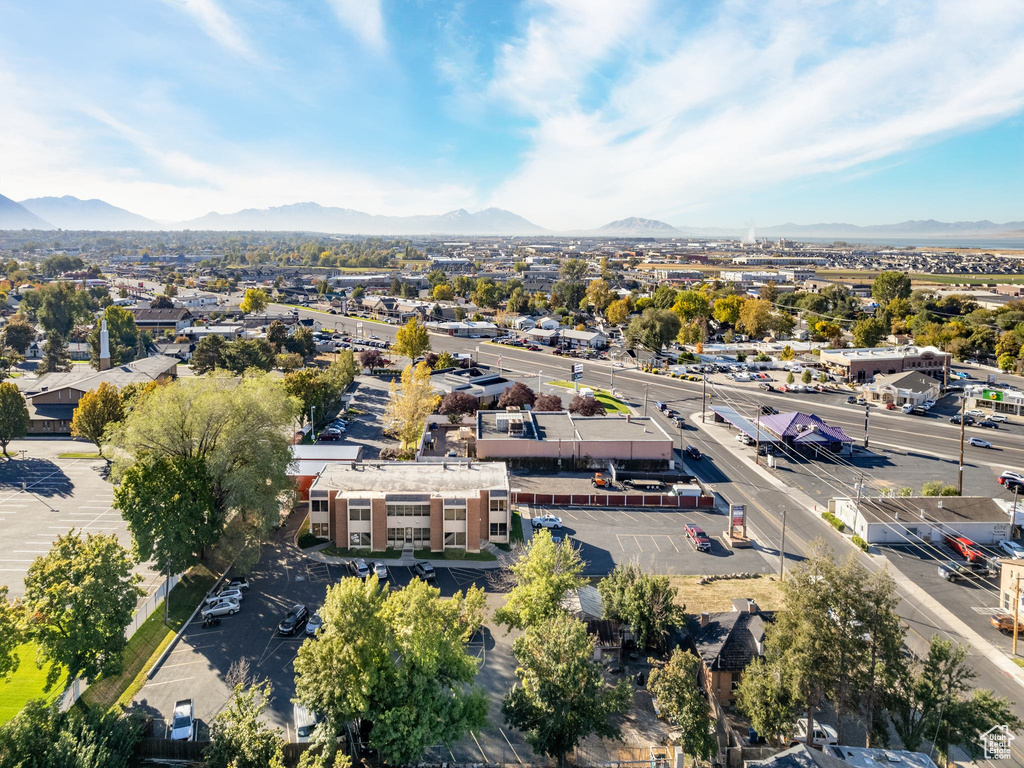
(397, 505)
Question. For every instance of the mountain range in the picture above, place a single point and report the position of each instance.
(71, 213)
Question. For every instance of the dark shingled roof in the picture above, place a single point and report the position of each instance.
(730, 640)
(800, 756)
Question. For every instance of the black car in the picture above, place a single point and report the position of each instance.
(692, 453)
(765, 449)
(679, 421)
(851, 399)
(988, 424)
(968, 420)
(767, 410)
(424, 570)
(293, 621)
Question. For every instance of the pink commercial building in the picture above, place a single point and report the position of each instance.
(571, 441)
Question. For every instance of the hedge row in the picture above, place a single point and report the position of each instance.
(834, 521)
(860, 543)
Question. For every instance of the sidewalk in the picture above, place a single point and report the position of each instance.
(407, 562)
(910, 589)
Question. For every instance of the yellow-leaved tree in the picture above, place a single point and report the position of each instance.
(410, 404)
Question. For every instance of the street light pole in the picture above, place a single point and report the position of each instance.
(312, 424)
(963, 420)
(782, 549)
(704, 398)
(867, 417)
(646, 388)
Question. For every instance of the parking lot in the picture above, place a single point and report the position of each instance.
(653, 538)
(43, 496)
(366, 428)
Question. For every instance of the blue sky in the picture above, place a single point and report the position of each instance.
(568, 112)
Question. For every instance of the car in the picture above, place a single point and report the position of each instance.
(183, 721)
(977, 442)
(679, 421)
(918, 410)
(314, 624)
(293, 621)
(358, 568)
(998, 417)
(766, 386)
(225, 594)
(988, 424)
(767, 410)
(1012, 548)
(744, 438)
(661, 406)
(237, 582)
(533, 348)
(968, 421)
(330, 435)
(1012, 481)
(952, 571)
(424, 571)
(223, 607)
(964, 547)
(975, 413)
(851, 400)
(671, 413)
(890, 406)
(692, 452)
(861, 401)
(823, 734)
(1004, 623)
(765, 449)
(380, 570)
(305, 723)
(697, 537)
(929, 404)
(546, 521)
(907, 407)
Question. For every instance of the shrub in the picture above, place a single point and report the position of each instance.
(860, 543)
(834, 521)
(307, 540)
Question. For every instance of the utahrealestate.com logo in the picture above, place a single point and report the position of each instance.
(996, 741)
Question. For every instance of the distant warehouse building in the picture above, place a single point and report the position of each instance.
(910, 520)
(561, 439)
(401, 504)
(865, 363)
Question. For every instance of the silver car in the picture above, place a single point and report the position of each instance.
(223, 607)
(183, 723)
(380, 570)
(225, 594)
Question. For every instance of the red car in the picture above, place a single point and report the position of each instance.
(965, 548)
(697, 537)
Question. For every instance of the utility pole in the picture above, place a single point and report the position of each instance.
(867, 416)
(1016, 612)
(312, 424)
(757, 438)
(782, 549)
(704, 399)
(646, 388)
(963, 425)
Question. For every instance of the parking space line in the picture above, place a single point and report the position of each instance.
(484, 754)
(626, 514)
(673, 543)
(184, 664)
(510, 746)
(654, 538)
(638, 542)
(168, 682)
(619, 540)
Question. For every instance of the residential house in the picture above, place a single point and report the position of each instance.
(157, 321)
(726, 644)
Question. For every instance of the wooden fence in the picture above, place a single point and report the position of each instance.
(169, 749)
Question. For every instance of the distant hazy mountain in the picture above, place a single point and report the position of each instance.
(71, 213)
(914, 228)
(635, 227)
(16, 216)
(311, 217)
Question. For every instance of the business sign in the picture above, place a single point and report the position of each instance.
(992, 394)
(737, 512)
(577, 372)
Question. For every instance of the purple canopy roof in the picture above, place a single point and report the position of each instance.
(803, 428)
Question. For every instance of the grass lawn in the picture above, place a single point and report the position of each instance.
(367, 554)
(1018, 662)
(149, 641)
(515, 532)
(426, 554)
(25, 684)
(367, 320)
(717, 596)
(302, 306)
(79, 455)
(603, 396)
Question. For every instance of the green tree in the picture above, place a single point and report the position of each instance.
(664, 297)
(301, 342)
(208, 354)
(682, 700)
(790, 378)
(55, 354)
(410, 404)
(617, 312)
(320, 388)
(254, 301)
(691, 305)
(170, 510)
(239, 737)
(277, 335)
(561, 697)
(765, 695)
(243, 355)
(541, 576)
(599, 294)
(161, 301)
(18, 334)
(411, 340)
(443, 293)
(122, 333)
(12, 625)
(787, 353)
(807, 376)
(644, 602)
(97, 409)
(79, 597)
(444, 360)
(397, 659)
(60, 307)
(653, 329)
(869, 331)
(239, 428)
(890, 285)
(938, 700)
(756, 317)
(727, 309)
(14, 419)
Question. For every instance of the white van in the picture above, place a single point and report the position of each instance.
(305, 723)
(685, 490)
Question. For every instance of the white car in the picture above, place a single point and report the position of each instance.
(907, 407)
(823, 734)
(314, 624)
(928, 404)
(183, 722)
(744, 438)
(546, 521)
(1013, 549)
(225, 594)
(975, 413)
(977, 442)
(997, 417)
(221, 608)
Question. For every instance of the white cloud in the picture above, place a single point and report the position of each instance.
(364, 19)
(764, 94)
(216, 23)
